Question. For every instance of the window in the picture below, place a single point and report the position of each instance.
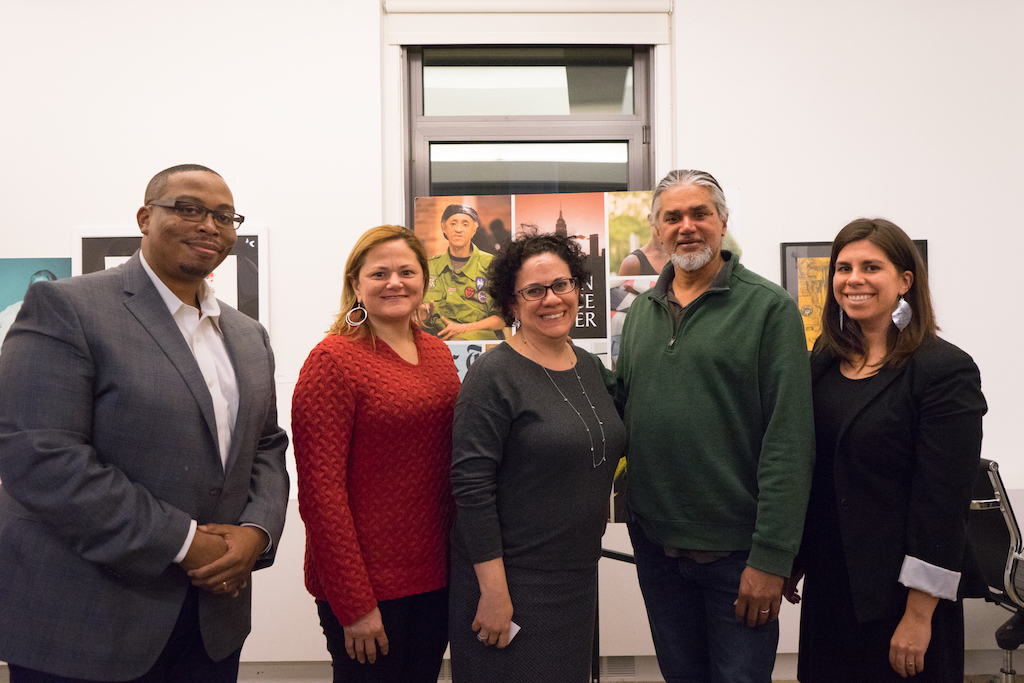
(528, 119)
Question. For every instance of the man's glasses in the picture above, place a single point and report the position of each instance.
(196, 213)
(559, 287)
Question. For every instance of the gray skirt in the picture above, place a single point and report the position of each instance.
(554, 609)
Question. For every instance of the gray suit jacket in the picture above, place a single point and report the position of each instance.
(108, 447)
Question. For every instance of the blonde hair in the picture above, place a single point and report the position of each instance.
(372, 238)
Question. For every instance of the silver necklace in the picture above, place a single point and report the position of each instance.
(592, 408)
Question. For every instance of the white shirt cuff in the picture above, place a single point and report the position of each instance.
(929, 578)
(270, 543)
(188, 542)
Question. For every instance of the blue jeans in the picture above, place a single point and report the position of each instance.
(693, 619)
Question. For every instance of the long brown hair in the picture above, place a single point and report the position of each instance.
(374, 237)
(848, 343)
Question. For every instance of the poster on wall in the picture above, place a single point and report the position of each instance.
(238, 281)
(461, 235)
(805, 277)
(16, 274)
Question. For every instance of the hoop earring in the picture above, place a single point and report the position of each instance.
(358, 307)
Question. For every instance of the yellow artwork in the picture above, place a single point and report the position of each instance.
(812, 279)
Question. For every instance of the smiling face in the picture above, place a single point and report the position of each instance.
(182, 253)
(867, 285)
(390, 283)
(459, 230)
(553, 315)
(689, 227)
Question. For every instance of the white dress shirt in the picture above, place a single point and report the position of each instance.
(201, 331)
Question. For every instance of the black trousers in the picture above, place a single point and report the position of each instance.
(183, 660)
(417, 630)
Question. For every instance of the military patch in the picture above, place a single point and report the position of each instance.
(480, 283)
(432, 282)
(481, 297)
(470, 292)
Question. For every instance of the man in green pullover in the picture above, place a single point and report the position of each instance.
(716, 388)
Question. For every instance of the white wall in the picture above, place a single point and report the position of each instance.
(820, 112)
(810, 113)
(282, 99)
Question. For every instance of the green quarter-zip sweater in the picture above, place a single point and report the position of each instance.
(719, 416)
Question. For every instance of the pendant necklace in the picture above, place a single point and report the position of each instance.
(600, 424)
(593, 409)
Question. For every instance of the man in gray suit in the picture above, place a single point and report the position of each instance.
(142, 466)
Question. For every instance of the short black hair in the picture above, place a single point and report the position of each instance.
(159, 182)
(505, 267)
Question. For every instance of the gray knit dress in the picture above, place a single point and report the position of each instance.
(531, 486)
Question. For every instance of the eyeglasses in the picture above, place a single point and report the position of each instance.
(196, 213)
(558, 287)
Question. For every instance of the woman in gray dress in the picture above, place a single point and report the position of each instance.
(536, 439)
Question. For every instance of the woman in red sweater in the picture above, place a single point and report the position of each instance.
(371, 429)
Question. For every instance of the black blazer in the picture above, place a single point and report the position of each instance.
(905, 463)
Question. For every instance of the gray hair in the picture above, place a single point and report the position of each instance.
(690, 177)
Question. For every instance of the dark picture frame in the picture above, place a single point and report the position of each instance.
(94, 247)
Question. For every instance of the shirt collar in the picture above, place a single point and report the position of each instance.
(208, 304)
(474, 255)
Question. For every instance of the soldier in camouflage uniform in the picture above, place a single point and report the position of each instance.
(456, 305)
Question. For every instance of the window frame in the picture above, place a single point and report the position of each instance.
(635, 129)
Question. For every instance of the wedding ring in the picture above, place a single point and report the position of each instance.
(481, 638)
(765, 611)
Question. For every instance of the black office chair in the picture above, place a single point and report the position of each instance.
(994, 540)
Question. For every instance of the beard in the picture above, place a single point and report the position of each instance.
(691, 262)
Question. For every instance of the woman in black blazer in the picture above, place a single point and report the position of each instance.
(898, 421)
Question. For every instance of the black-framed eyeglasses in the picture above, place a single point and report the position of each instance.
(196, 213)
(559, 287)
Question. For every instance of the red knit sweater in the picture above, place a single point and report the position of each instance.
(372, 442)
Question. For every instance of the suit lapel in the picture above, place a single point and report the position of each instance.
(237, 342)
(145, 303)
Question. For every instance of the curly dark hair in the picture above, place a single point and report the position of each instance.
(505, 267)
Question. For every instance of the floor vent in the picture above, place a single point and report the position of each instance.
(618, 669)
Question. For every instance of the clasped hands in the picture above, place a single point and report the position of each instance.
(221, 557)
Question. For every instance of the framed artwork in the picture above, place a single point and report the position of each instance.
(16, 274)
(241, 281)
(805, 277)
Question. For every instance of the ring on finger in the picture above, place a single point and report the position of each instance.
(481, 637)
(765, 611)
